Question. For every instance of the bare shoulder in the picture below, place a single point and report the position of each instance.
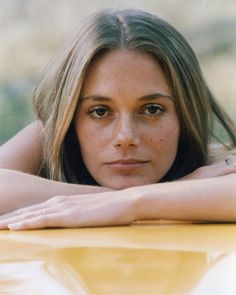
(24, 151)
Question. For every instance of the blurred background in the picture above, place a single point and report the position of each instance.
(31, 31)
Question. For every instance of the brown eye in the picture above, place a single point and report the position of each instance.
(98, 112)
(153, 110)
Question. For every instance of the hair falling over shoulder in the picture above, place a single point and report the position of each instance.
(58, 93)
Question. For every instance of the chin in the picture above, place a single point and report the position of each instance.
(119, 185)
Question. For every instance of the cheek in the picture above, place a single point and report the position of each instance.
(163, 140)
(158, 146)
(88, 145)
(91, 141)
(154, 139)
(86, 138)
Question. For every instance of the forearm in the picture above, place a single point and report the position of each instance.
(195, 200)
(201, 200)
(19, 190)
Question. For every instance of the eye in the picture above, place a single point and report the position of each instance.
(153, 110)
(98, 112)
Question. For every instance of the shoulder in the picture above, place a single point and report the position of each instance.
(24, 151)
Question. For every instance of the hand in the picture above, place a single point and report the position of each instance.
(103, 209)
(227, 166)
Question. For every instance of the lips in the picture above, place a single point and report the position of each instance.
(127, 161)
(126, 165)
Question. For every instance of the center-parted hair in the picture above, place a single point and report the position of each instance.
(58, 93)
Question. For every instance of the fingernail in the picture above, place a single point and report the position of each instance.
(13, 226)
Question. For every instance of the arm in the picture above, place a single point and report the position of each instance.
(23, 153)
(196, 200)
(28, 190)
(19, 190)
(210, 199)
(218, 168)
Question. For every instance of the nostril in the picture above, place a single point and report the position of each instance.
(126, 133)
(126, 139)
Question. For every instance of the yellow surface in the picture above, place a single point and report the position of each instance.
(140, 259)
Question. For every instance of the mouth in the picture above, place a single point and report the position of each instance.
(126, 165)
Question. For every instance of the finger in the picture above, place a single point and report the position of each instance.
(38, 222)
(53, 201)
(44, 212)
(53, 205)
(23, 211)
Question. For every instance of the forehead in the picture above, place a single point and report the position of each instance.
(125, 69)
(119, 58)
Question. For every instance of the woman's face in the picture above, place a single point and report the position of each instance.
(126, 121)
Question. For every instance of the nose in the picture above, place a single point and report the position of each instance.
(126, 132)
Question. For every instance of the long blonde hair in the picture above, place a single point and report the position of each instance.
(58, 93)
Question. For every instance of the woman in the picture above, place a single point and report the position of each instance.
(123, 114)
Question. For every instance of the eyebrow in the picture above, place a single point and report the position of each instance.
(155, 96)
(147, 97)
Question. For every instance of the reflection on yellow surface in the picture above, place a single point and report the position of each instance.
(139, 259)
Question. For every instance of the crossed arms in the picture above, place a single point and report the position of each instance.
(29, 201)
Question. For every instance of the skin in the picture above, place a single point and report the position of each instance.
(127, 113)
(127, 128)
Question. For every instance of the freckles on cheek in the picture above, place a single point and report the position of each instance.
(160, 143)
(155, 143)
(156, 140)
(91, 138)
(164, 142)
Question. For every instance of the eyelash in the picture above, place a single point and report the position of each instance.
(157, 107)
(93, 112)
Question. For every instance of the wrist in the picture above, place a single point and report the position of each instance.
(148, 201)
(136, 202)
